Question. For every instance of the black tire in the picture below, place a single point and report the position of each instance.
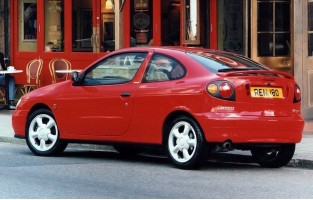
(127, 150)
(274, 157)
(42, 134)
(185, 144)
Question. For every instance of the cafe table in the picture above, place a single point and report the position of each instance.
(5, 72)
(64, 71)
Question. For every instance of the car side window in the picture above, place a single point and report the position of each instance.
(116, 69)
(163, 68)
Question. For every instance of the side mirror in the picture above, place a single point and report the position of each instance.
(75, 77)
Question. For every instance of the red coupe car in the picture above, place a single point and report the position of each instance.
(188, 100)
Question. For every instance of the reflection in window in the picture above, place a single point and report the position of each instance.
(115, 70)
(30, 21)
(107, 30)
(141, 25)
(82, 32)
(54, 25)
(170, 22)
(231, 26)
(273, 28)
(191, 21)
(162, 68)
(310, 28)
(27, 31)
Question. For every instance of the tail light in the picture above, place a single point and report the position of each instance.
(297, 94)
(222, 90)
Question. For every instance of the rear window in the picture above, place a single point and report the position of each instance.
(222, 62)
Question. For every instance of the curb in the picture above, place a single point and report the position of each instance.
(301, 163)
(11, 140)
(295, 163)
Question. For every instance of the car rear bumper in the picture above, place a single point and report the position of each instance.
(219, 127)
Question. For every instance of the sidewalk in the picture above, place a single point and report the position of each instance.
(303, 156)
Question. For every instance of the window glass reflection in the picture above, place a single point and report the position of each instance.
(107, 35)
(273, 28)
(82, 26)
(27, 30)
(282, 17)
(265, 17)
(265, 44)
(54, 25)
(191, 34)
(282, 44)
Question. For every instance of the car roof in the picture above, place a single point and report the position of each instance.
(174, 48)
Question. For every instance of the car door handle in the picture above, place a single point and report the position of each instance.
(125, 94)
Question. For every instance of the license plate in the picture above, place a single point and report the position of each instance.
(266, 92)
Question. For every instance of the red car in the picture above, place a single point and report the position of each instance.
(188, 100)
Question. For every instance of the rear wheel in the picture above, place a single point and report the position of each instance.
(274, 157)
(42, 134)
(186, 144)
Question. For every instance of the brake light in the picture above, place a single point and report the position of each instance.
(222, 90)
(226, 90)
(297, 94)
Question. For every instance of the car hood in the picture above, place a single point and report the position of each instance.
(53, 90)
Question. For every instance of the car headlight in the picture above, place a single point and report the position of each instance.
(19, 101)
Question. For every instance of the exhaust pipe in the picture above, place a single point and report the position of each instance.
(227, 146)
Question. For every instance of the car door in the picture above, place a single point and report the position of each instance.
(102, 104)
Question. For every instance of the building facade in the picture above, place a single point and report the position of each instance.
(278, 33)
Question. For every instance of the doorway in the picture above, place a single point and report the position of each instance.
(271, 36)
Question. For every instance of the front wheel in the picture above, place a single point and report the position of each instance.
(42, 134)
(186, 144)
(274, 157)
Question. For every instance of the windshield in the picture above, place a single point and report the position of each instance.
(224, 62)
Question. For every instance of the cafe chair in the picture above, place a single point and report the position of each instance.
(2, 94)
(59, 64)
(33, 71)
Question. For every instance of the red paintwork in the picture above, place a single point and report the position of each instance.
(99, 113)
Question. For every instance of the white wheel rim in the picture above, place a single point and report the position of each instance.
(182, 142)
(43, 132)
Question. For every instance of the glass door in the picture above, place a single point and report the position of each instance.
(271, 34)
(93, 26)
(83, 36)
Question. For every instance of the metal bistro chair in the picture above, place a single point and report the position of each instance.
(33, 71)
(59, 64)
(2, 93)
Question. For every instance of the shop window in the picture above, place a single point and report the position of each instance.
(82, 31)
(170, 22)
(191, 21)
(107, 35)
(273, 28)
(54, 26)
(231, 26)
(141, 23)
(310, 28)
(27, 28)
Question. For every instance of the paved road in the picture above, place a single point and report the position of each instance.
(303, 156)
(81, 173)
